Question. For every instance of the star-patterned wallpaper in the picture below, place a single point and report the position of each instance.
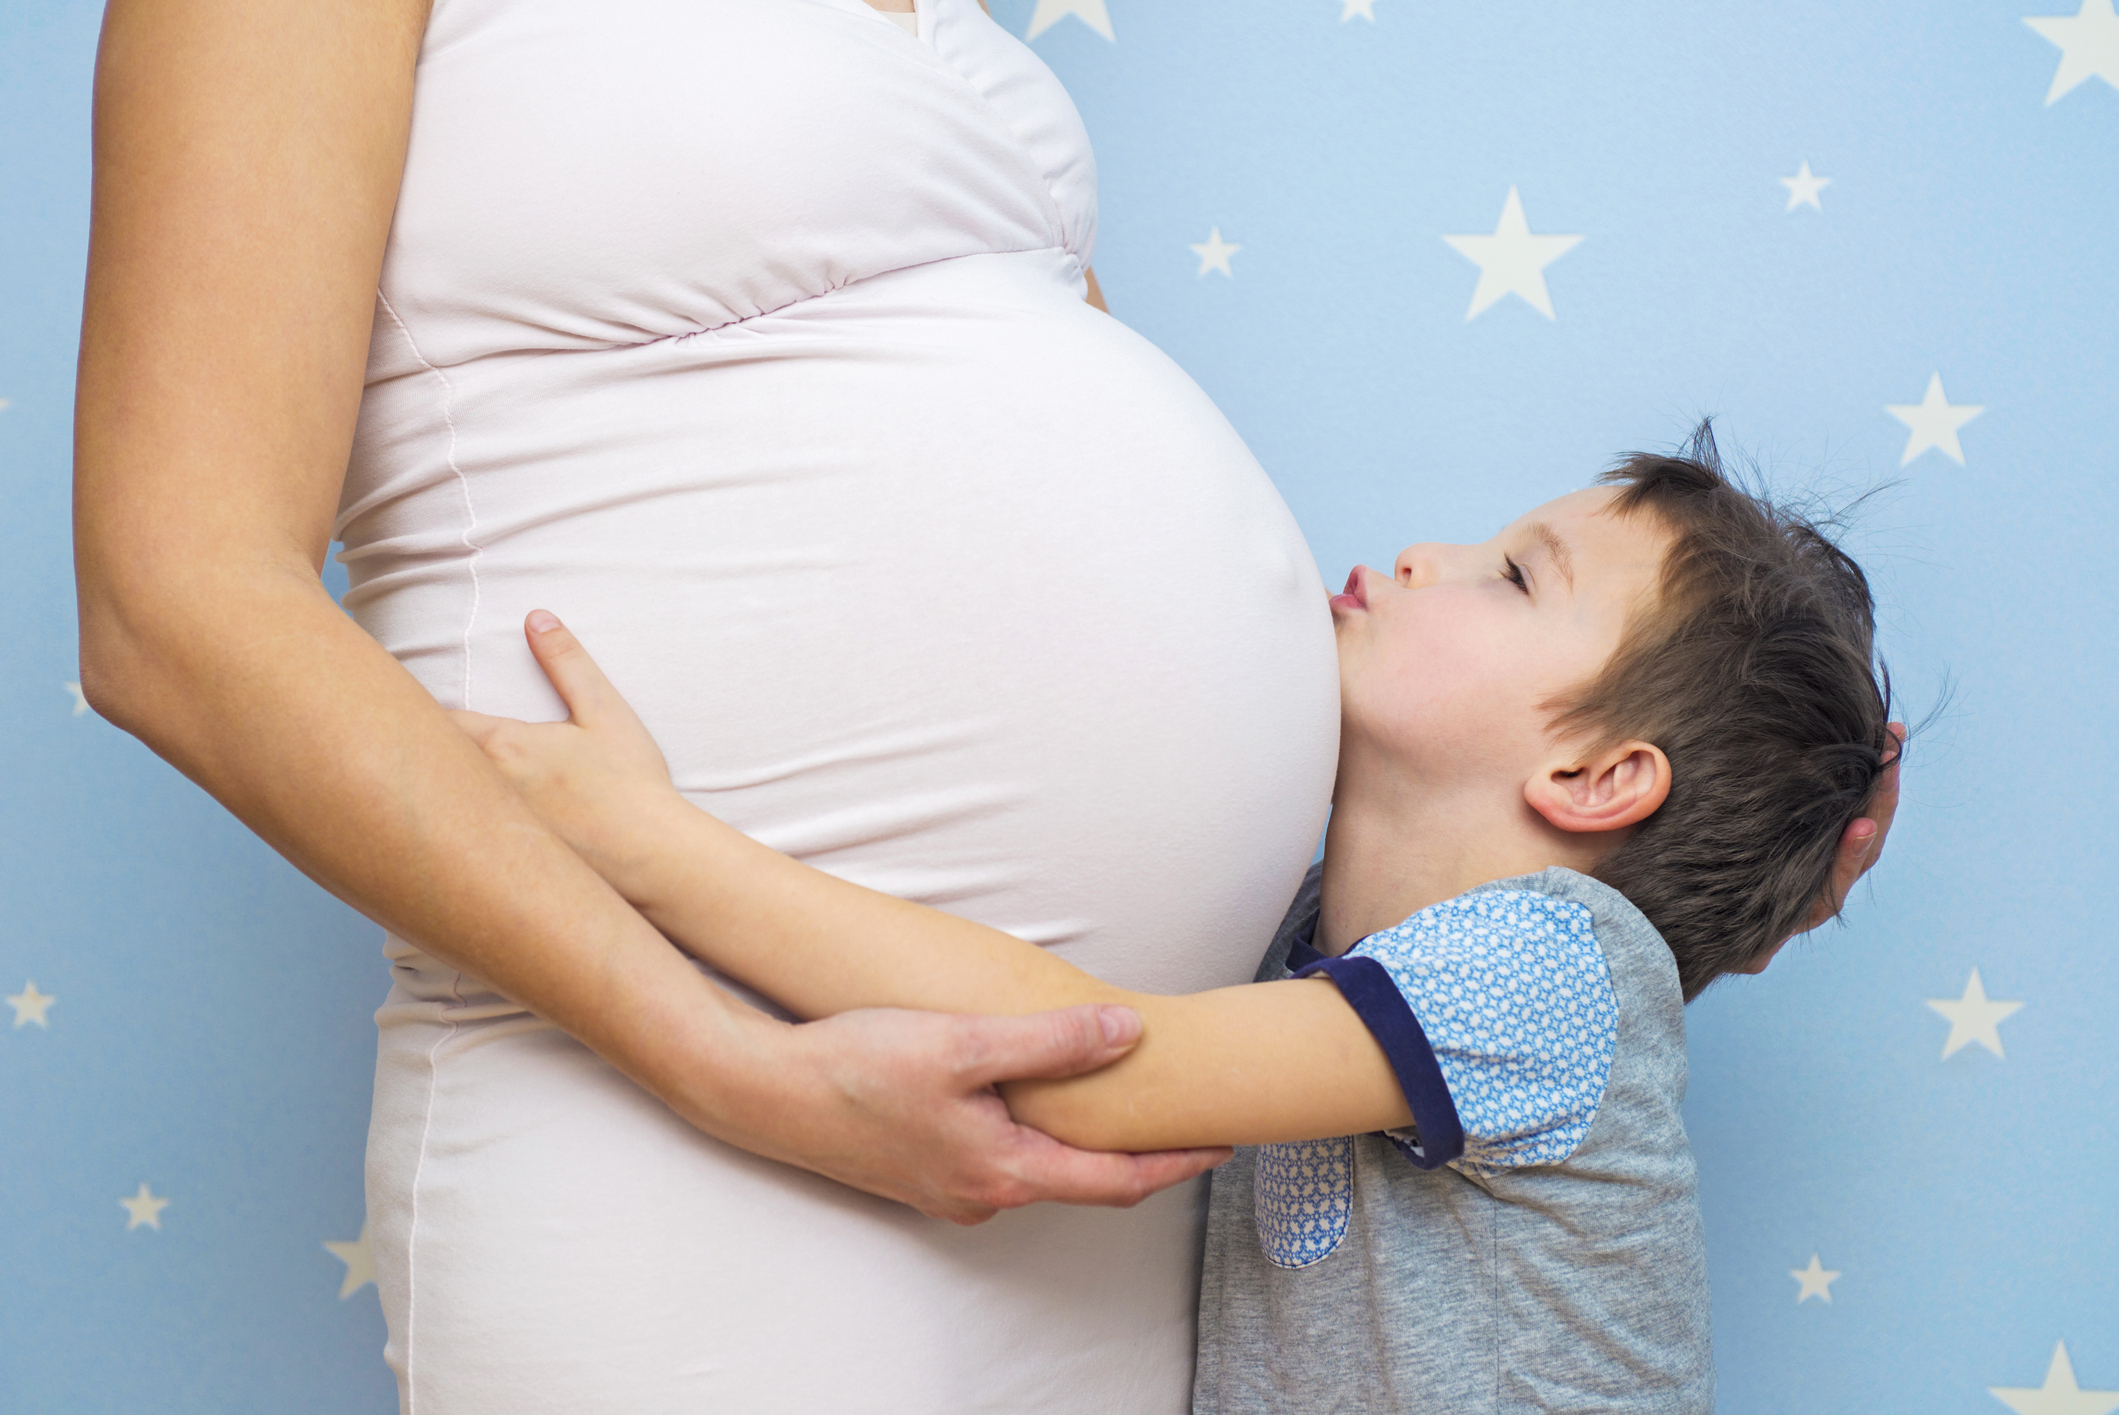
(1437, 262)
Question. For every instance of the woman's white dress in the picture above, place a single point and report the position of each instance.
(748, 336)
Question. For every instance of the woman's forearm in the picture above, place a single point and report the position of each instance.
(256, 686)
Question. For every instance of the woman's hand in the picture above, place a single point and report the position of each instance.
(597, 779)
(1859, 847)
(1863, 841)
(908, 1111)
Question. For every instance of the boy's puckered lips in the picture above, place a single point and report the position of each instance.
(1355, 595)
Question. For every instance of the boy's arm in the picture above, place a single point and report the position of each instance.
(1243, 1065)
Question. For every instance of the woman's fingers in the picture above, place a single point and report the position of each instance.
(1857, 851)
(1045, 1045)
(1885, 805)
(1860, 848)
(1857, 848)
(1043, 1170)
(916, 1119)
(1863, 840)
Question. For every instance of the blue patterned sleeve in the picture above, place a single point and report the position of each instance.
(1515, 1006)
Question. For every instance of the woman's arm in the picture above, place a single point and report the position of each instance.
(1243, 1065)
(247, 160)
(1096, 291)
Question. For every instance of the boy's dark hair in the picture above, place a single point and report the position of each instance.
(1755, 672)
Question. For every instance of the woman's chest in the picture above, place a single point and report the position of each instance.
(582, 176)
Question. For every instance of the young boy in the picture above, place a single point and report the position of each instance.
(1586, 768)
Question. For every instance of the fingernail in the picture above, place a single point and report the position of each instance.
(1121, 1025)
(543, 621)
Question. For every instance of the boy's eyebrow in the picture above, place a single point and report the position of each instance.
(1558, 549)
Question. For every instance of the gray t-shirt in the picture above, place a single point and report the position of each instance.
(1534, 1243)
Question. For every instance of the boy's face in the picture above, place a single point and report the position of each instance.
(1446, 664)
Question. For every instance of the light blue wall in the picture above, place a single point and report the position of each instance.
(211, 1033)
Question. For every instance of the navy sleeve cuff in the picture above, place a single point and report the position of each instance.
(1368, 988)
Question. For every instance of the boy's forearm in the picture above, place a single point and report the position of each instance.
(819, 945)
(1247, 1065)
(1239, 1065)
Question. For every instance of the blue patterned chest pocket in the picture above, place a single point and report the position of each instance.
(1302, 1198)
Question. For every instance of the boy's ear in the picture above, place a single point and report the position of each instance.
(1618, 787)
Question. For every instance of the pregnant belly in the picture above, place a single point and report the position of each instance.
(943, 582)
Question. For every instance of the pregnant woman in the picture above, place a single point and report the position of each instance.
(750, 336)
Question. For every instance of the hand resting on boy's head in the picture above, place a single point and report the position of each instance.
(1859, 847)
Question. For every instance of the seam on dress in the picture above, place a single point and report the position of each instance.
(456, 982)
(463, 483)
(705, 330)
(1028, 154)
(419, 1167)
(709, 329)
(930, 19)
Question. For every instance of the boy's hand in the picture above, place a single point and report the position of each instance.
(598, 778)
(899, 1103)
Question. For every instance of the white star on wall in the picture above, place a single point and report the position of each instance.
(1803, 189)
(80, 698)
(1934, 421)
(1092, 13)
(29, 1005)
(2059, 1395)
(1214, 254)
(1512, 261)
(2089, 46)
(360, 1263)
(1973, 1018)
(1816, 1280)
(144, 1208)
(1364, 8)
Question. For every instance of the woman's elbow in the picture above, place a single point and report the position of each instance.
(117, 676)
(135, 648)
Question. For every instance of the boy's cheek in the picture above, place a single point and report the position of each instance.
(1447, 709)
(1422, 685)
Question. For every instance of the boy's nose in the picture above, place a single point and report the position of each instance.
(1418, 566)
